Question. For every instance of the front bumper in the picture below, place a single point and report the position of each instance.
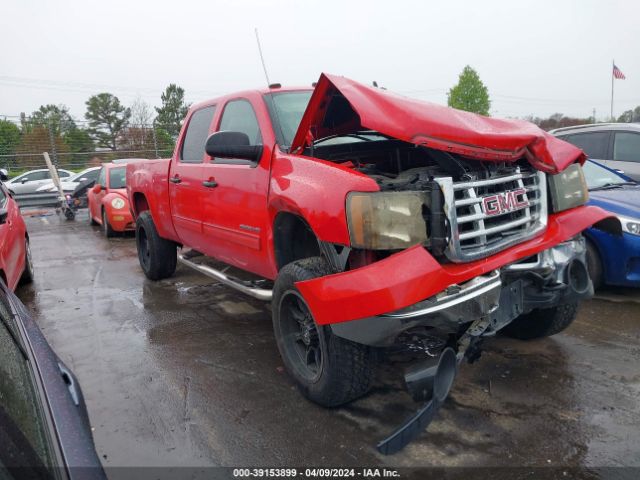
(410, 276)
(550, 278)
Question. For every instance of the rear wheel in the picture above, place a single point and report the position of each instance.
(157, 256)
(106, 227)
(27, 273)
(594, 265)
(542, 322)
(327, 369)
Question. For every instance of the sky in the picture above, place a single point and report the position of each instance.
(536, 57)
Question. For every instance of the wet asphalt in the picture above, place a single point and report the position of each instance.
(185, 372)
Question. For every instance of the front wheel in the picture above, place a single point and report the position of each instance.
(327, 369)
(157, 256)
(542, 322)
(106, 226)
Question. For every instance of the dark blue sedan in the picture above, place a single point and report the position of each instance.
(614, 260)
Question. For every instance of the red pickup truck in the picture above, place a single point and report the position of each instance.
(372, 220)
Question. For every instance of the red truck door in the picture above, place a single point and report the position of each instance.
(185, 179)
(235, 217)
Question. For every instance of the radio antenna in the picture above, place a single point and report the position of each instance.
(264, 67)
(280, 133)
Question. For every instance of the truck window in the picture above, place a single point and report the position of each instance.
(626, 147)
(594, 144)
(196, 136)
(238, 116)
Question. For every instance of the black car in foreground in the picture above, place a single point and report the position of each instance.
(44, 426)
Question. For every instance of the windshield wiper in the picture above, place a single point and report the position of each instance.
(608, 186)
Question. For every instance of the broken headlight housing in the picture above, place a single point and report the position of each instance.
(568, 189)
(386, 220)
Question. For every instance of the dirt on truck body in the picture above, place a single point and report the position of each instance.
(372, 221)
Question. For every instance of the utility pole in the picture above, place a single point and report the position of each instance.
(594, 115)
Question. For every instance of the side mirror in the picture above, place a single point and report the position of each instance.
(232, 145)
(83, 179)
(97, 188)
(4, 175)
(24, 180)
(4, 213)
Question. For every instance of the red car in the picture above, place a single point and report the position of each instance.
(15, 257)
(108, 202)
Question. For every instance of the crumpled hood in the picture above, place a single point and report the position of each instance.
(339, 105)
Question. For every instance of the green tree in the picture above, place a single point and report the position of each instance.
(166, 143)
(173, 110)
(107, 118)
(630, 116)
(56, 117)
(469, 93)
(9, 138)
(80, 144)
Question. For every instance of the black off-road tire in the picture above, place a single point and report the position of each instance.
(157, 256)
(347, 369)
(106, 226)
(542, 322)
(594, 265)
(27, 273)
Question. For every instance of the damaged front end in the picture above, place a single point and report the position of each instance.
(440, 326)
(471, 227)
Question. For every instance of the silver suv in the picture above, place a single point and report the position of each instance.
(616, 145)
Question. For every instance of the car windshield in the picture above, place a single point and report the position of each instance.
(598, 177)
(286, 110)
(117, 177)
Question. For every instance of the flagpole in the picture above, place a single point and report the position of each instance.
(613, 64)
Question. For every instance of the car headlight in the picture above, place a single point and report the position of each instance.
(117, 203)
(386, 220)
(630, 225)
(568, 189)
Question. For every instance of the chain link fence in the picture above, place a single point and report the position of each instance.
(74, 145)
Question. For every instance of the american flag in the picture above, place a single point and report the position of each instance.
(618, 73)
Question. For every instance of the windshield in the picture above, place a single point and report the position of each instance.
(597, 176)
(117, 177)
(286, 110)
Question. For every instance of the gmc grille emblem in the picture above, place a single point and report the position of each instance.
(504, 202)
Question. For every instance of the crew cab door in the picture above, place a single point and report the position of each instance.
(185, 179)
(235, 217)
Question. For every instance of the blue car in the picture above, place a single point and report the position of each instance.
(614, 260)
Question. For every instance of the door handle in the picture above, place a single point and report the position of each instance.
(210, 183)
(175, 179)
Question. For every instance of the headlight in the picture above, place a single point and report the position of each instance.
(568, 189)
(386, 220)
(630, 225)
(117, 203)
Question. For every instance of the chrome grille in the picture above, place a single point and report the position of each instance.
(476, 234)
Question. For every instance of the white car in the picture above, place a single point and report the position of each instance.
(70, 184)
(29, 182)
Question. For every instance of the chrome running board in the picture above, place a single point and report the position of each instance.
(255, 292)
